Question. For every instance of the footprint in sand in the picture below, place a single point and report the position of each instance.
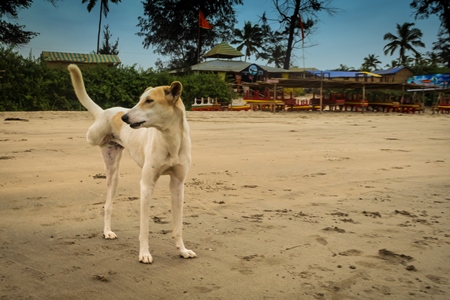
(321, 240)
(394, 257)
(351, 252)
(334, 229)
(315, 174)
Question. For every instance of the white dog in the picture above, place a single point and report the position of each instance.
(157, 139)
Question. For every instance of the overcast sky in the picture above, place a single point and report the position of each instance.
(345, 38)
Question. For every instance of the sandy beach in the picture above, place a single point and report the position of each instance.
(301, 205)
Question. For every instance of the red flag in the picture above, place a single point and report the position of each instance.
(300, 24)
(202, 22)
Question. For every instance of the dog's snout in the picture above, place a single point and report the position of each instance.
(125, 118)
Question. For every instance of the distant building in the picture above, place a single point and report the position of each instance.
(241, 71)
(397, 75)
(63, 59)
(393, 75)
(225, 67)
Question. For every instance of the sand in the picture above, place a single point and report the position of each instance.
(302, 205)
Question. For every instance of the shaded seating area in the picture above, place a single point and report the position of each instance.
(265, 100)
(394, 104)
(355, 102)
(443, 106)
(331, 102)
(356, 99)
(352, 96)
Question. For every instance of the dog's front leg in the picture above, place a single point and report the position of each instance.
(177, 193)
(148, 182)
(112, 154)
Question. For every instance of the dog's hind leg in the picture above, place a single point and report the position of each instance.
(177, 193)
(112, 153)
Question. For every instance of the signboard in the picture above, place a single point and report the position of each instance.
(439, 81)
(252, 73)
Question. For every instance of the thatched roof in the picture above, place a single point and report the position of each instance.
(223, 50)
(91, 58)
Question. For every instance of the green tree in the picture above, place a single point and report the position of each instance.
(107, 47)
(370, 63)
(442, 47)
(277, 55)
(433, 59)
(251, 37)
(440, 8)
(406, 39)
(29, 85)
(289, 13)
(171, 27)
(419, 60)
(104, 10)
(394, 64)
(13, 33)
(197, 85)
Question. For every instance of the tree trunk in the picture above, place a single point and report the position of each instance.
(99, 27)
(292, 26)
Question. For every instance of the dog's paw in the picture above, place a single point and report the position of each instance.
(109, 235)
(186, 253)
(145, 258)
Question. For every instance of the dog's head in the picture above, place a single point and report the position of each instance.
(156, 107)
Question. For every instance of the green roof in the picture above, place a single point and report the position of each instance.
(80, 58)
(223, 50)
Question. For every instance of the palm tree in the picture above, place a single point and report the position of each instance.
(370, 62)
(104, 8)
(394, 64)
(442, 47)
(343, 68)
(433, 59)
(407, 38)
(419, 60)
(275, 54)
(272, 48)
(251, 37)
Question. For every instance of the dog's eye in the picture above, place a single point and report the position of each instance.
(149, 101)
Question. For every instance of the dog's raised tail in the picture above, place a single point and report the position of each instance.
(80, 91)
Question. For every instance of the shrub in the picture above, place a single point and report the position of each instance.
(29, 85)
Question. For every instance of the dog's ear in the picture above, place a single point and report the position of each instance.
(175, 90)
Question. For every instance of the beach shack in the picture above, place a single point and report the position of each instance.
(221, 60)
(396, 75)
